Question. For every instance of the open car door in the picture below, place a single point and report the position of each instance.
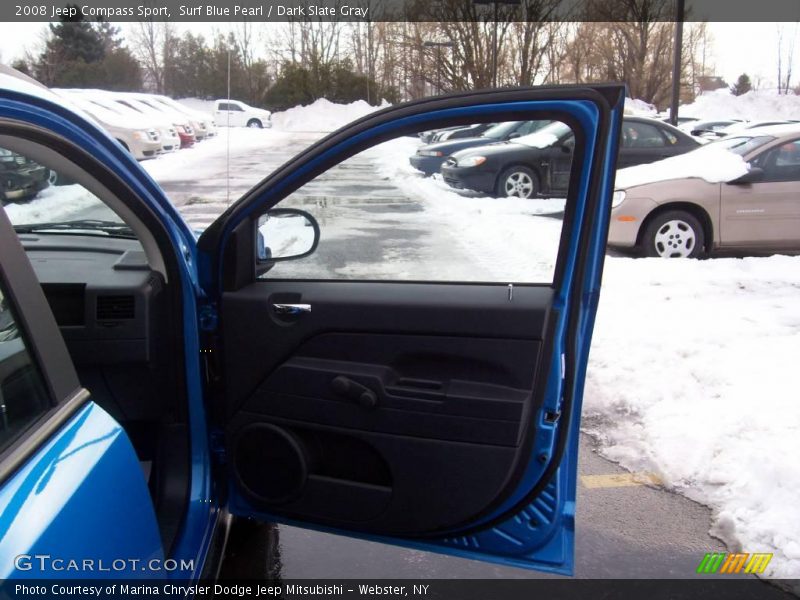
(404, 380)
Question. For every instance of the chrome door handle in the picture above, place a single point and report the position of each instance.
(291, 309)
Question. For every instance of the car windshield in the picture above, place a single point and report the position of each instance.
(546, 136)
(741, 144)
(501, 130)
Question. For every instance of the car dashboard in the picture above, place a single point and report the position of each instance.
(110, 308)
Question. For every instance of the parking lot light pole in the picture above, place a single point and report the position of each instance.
(438, 46)
(495, 3)
(676, 63)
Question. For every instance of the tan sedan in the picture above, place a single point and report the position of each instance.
(717, 207)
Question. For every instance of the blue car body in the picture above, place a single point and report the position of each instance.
(81, 493)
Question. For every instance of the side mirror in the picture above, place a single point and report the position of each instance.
(514, 135)
(566, 148)
(285, 234)
(754, 175)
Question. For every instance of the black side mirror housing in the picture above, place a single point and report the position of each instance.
(754, 175)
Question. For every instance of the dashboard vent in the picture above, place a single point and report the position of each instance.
(112, 308)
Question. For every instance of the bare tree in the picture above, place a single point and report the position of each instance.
(152, 44)
(786, 41)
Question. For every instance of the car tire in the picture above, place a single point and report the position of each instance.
(518, 181)
(674, 234)
(254, 124)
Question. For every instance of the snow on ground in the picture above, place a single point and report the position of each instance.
(752, 106)
(713, 163)
(210, 154)
(692, 375)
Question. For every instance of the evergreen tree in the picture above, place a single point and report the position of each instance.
(79, 53)
(742, 85)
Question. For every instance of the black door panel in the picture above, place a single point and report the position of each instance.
(363, 407)
(363, 480)
(346, 306)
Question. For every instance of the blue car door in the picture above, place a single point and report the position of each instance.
(402, 379)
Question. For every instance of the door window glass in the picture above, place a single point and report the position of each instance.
(783, 163)
(489, 213)
(35, 196)
(23, 395)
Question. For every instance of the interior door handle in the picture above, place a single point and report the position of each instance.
(291, 309)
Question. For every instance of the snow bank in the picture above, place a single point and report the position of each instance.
(322, 115)
(692, 376)
(634, 106)
(752, 106)
(59, 203)
(712, 163)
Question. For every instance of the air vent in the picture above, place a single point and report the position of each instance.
(113, 308)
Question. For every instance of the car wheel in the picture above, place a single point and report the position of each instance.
(674, 234)
(254, 124)
(518, 181)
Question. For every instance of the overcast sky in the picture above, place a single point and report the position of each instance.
(750, 48)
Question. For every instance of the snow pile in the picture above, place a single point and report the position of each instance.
(322, 115)
(711, 163)
(53, 204)
(692, 376)
(752, 106)
(640, 108)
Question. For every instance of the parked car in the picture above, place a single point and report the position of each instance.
(233, 113)
(457, 133)
(22, 179)
(141, 338)
(681, 120)
(745, 125)
(429, 158)
(707, 127)
(691, 217)
(427, 136)
(170, 140)
(205, 119)
(181, 124)
(137, 136)
(539, 163)
(198, 125)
